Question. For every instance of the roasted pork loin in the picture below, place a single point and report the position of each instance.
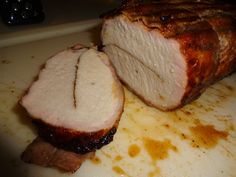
(77, 100)
(169, 53)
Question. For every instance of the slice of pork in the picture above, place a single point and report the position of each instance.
(168, 54)
(77, 100)
(42, 153)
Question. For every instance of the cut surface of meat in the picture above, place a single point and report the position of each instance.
(139, 76)
(142, 51)
(42, 153)
(182, 44)
(77, 100)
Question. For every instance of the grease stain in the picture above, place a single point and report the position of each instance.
(158, 150)
(95, 160)
(133, 150)
(196, 125)
(118, 158)
(206, 136)
(119, 171)
(154, 173)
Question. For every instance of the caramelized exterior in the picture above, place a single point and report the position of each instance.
(76, 141)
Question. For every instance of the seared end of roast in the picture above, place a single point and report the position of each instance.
(169, 53)
(77, 101)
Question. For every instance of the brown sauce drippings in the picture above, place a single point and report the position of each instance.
(158, 150)
(95, 160)
(189, 124)
(119, 171)
(206, 136)
(118, 158)
(154, 173)
(133, 150)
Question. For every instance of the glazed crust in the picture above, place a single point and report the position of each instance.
(200, 28)
(76, 141)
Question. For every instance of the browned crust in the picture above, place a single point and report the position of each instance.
(222, 18)
(201, 53)
(198, 37)
(76, 141)
(225, 27)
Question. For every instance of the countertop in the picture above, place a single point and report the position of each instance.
(61, 17)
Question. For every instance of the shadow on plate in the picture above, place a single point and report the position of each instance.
(23, 117)
(10, 163)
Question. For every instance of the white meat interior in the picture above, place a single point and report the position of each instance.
(53, 96)
(162, 76)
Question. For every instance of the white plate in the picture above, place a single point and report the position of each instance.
(198, 140)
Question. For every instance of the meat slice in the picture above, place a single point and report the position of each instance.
(77, 100)
(169, 53)
(42, 153)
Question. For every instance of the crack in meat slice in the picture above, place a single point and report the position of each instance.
(42, 153)
(96, 91)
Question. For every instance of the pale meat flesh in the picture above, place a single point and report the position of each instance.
(77, 101)
(76, 84)
(149, 52)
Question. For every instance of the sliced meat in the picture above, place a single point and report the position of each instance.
(172, 51)
(42, 153)
(77, 100)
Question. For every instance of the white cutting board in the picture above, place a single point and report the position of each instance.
(198, 140)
